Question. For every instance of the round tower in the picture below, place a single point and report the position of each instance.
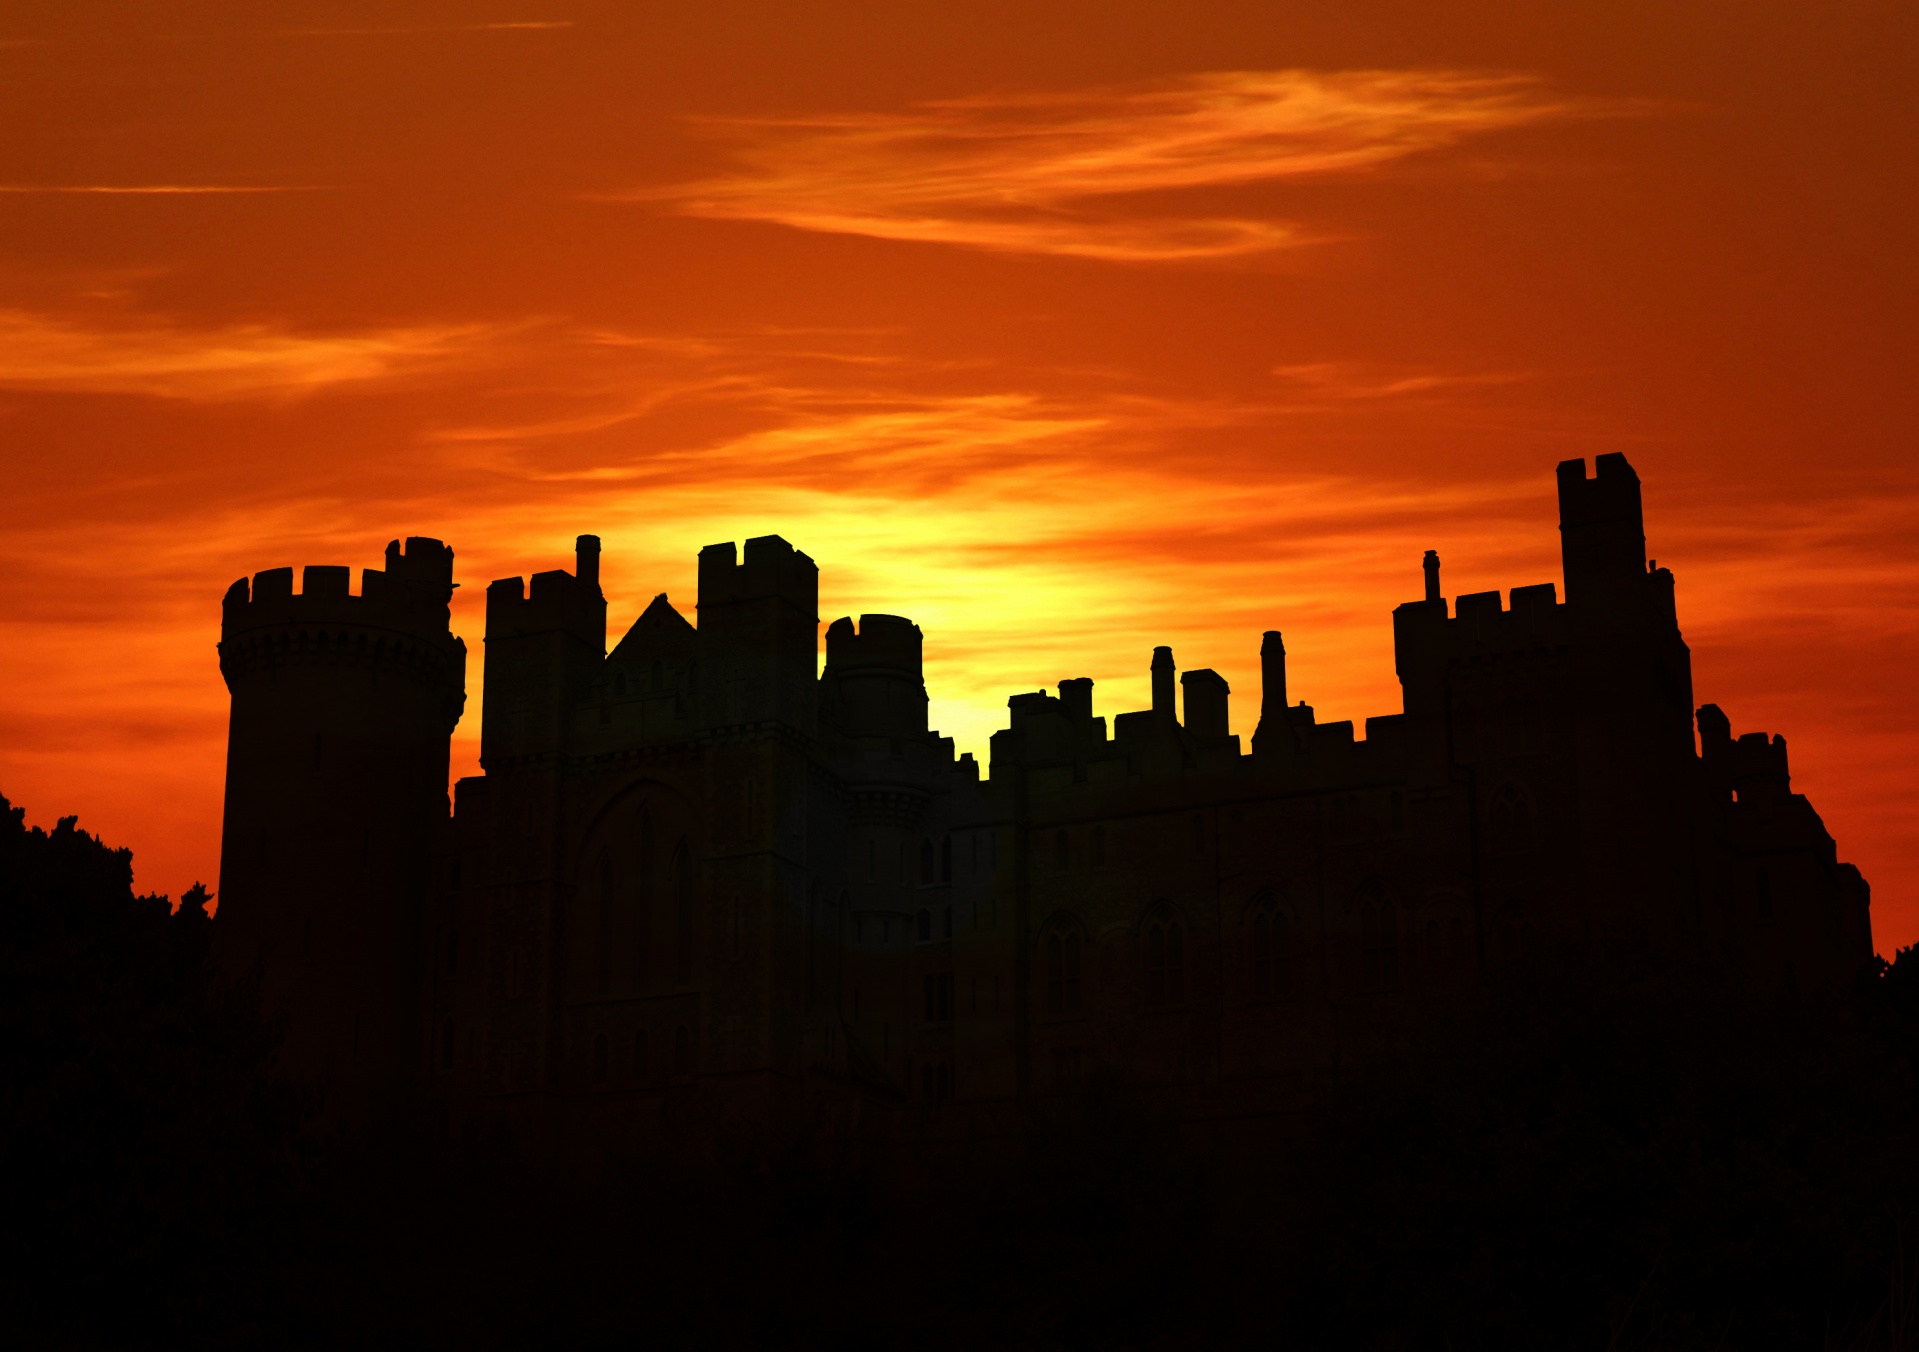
(337, 746)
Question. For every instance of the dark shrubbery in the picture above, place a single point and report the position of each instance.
(147, 1150)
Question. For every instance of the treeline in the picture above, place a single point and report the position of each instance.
(1582, 1162)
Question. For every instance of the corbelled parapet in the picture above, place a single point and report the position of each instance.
(397, 627)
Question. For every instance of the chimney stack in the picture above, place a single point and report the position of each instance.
(586, 566)
(1163, 683)
(1432, 575)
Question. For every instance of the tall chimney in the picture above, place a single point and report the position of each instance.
(1432, 575)
(586, 566)
(1272, 678)
(1163, 683)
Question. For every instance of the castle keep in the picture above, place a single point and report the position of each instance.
(704, 883)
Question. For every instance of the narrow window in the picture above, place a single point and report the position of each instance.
(1070, 975)
(925, 926)
(604, 956)
(1055, 975)
(643, 902)
(927, 874)
(683, 914)
(946, 921)
(946, 859)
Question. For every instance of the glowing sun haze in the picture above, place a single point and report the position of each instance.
(1064, 329)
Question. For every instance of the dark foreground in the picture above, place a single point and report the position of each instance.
(1571, 1163)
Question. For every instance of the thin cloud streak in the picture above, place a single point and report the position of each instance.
(153, 189)
(1041, 173)
(45, 352)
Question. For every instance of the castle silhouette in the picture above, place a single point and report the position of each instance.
(702, 883)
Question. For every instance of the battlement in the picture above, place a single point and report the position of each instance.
(556, 601)
(1755, 767)
(1611, 494)
(882, 643)
(771, 569)
(1602, 536)
(411, 596)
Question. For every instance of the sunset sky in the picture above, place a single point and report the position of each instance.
(1065, 329)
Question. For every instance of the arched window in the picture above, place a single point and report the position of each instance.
(643, 901)
(1165, 963)
(603, 957)
(1379, 942)
(639, 1055)
(927, 875)
(599, 1058)
(925, 929)
(1512, 820)
(682, 914)
(1272, 953)
(1762, 892)
(682, 1052)
(1063, 972)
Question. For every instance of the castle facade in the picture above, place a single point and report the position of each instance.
(704, 884)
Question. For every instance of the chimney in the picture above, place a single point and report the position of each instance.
(1076, 696)
(586, 566)
(1432, 575)
(1163, 683)
(1206, 693)
(1272, 676)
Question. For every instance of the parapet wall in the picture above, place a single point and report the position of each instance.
(397, 625)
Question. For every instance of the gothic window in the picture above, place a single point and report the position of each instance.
(599, 1058)
(682, 1052)
(643, 901)
(927, 875)
(1272, 952)
(1512, 820)
(682, 914)
(1062, 957)
(639, 1055)
(603, 956)
(925, 930)
(1379, 942)
(946, 859)
(1165, 963)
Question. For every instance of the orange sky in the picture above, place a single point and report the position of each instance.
(1065, 329)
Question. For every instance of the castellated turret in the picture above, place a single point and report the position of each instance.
(337, 749)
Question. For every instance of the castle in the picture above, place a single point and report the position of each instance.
(702, 883)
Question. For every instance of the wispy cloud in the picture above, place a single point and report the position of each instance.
(1044, 173)
(508, 26)
(155, 189)
(44, 352)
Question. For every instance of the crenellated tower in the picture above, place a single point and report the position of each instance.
(337, 747)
